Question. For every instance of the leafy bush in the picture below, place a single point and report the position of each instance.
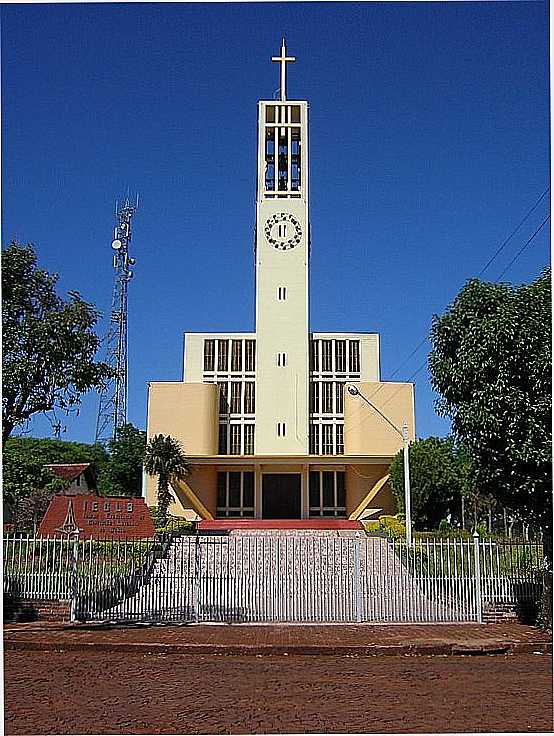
(372, 526)
(393, 526)
(175, 525)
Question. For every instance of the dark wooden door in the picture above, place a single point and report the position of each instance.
(281, 495)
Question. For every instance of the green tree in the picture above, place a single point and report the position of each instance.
(491, 363)
(48, 343)
(122, 474)
(24, 476)
(435, 481)
(165, 458)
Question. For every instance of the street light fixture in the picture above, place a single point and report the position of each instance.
(354, 391)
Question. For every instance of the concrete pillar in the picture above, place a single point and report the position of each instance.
(305, 493)
(257, 491)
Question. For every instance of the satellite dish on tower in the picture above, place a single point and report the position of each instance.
(116, 244)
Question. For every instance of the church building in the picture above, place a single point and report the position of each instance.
(282, 422)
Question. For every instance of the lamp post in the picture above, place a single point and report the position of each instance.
(354, 391)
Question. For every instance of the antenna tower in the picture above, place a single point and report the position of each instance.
(112, 410)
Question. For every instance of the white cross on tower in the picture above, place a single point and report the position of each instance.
(283, 61)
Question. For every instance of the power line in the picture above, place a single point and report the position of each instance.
(491, 259)
(520, 251)
(511, 235)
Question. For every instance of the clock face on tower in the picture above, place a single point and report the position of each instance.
(283, 231)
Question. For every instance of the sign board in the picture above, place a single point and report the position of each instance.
(99, 517)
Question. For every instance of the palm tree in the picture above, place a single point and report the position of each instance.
(165, 458)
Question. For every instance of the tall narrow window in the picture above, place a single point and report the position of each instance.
(281, 360)
(222, 489)
(248, 490)
(354, 356)
(236, 355)
(314, 439)
(341, 491)
(209, 351)
(314, 355)
(250, 358)
(235, 439)
(314, 397)
(282, 293)
(328, 488)
(248, 439)
(249, 397)
(236, 392)
(222, 355)
(339, 397)
(327, 439)
(234, 490)
(326, 355)
(315, 494)
(340, 438)
(223, 397)
(327, 397)
(222, 439)
(281, 429)
(340, 356)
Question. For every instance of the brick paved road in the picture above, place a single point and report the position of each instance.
(94, 693)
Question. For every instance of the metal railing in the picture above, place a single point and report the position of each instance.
(274, 578)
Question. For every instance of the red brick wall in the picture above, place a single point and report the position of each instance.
(28, 609)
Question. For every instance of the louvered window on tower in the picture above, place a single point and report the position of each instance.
(223, 397)
(314, 355)
(236, 394)
(354, 356)
(223, 355)
(326, 355)
(249, 397)
(222, 439)
(314, 397)
(327, 439)
(250, 356)
(235, 439)
(327, 397)
(248, 439)
(340, 356)
(209, 352)
(236, 355)
(339, 397)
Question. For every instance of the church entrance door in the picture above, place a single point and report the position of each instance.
(281, 495)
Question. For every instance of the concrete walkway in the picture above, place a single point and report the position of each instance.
(242, 639)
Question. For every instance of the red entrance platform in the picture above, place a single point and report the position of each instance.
(221, 525)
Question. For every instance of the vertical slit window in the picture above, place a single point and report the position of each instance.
(222, 439)
(340, 356)
(223, 397)
(209, 350)
(327, 440)
(281, 360)
(314, 397)
(326, 355)
(248, 439)
(314, 355)
(327, 397)
(328, 484)
(340, 439)
(249, 397)
(339, 397)
(222, 489)
(236, 355)
(236, 393)
(222, 355)
(235, 439)
(354, 356)
(250, 349)
(314, 439)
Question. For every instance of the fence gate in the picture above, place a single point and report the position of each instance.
(274, 578)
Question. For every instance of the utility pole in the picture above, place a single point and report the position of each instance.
(112, 409)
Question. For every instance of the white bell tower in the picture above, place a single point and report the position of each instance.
(282, 254)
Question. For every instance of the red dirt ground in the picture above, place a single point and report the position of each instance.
(76, 693)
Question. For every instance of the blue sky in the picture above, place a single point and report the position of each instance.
(429, 142)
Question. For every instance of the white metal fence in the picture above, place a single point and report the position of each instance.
(274, 578)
